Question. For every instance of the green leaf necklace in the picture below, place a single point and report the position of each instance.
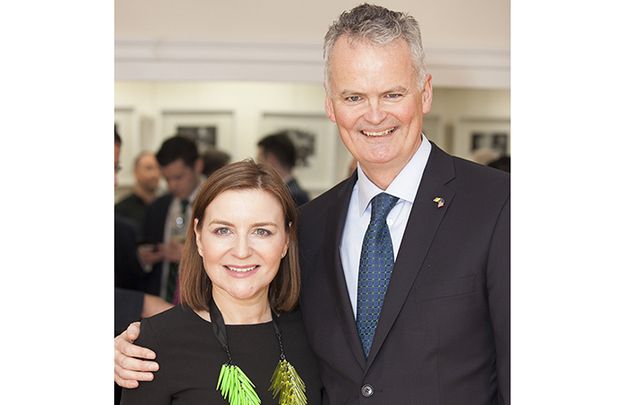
(238, 389)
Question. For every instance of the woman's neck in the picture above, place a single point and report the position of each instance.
(243, 312)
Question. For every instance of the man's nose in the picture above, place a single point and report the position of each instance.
(375, 113)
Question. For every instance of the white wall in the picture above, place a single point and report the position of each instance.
(140, 106)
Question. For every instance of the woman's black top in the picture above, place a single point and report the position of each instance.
(190, 358)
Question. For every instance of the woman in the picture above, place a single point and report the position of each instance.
(234, 338)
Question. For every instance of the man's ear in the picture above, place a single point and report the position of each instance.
(427, 94)
(328, 107)
(198, 166)
(198, 237)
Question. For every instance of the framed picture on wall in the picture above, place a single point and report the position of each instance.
(481, 136)
(315, 138)
(209, 129)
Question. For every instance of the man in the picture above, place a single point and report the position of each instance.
(405, 265)
(278, 151)
(147, 180)
(214, 159)
(167, 218)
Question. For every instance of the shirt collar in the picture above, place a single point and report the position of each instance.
(404, 185)
(196, 191)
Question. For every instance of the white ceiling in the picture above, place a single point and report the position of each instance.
(467, 42)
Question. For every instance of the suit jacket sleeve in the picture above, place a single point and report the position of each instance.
(158, 391)
(128, 308)
(498, 285)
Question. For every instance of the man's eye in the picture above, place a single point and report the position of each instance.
(353, 99)
(394, 95)
(262, 232)
(222, 231)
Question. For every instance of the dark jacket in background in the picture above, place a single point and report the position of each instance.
(299, 195)
(153, 233)
(133, 207)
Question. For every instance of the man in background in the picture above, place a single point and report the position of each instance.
(278, 151)
(214, 159)
(166, 219)
(147, 180)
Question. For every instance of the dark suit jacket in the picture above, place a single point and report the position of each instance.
(128, 276)
(154, 221)
(128, 271)
(443, 337)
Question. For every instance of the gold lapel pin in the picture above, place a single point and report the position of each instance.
(440, 201)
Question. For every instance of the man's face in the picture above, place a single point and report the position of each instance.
(147, 172)
(376, 102)
(180, 178)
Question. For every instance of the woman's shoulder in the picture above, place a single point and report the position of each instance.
(172, 320)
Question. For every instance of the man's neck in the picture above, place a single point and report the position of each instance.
(146, 195)
(383, 174)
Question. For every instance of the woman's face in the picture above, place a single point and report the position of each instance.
(242, 240)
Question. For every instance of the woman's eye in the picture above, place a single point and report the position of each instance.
(222, 231)
(262, 232)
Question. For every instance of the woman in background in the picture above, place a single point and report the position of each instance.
(236, 337)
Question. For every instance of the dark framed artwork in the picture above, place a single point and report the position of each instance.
(209, 129)
(479, 134)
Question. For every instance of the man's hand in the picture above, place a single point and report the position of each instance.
(150, 254)
(173, 251)
(129, 369)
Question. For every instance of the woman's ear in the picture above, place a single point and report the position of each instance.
(198, 237)
(288, 238)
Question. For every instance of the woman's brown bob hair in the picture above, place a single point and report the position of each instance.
(195, 285)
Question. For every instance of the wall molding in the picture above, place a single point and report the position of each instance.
(202, 61)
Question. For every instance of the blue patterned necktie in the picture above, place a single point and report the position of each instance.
(375, 268)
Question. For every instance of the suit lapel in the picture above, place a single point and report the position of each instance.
(335, 227)
(423, 222)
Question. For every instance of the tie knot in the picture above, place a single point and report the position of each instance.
(184, 205)
(381, 205)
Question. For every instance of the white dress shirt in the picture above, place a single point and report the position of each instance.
(175, 211)
(404, 186)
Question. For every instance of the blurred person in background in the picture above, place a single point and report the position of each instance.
(501, 163)
(166, 219)
(278, 151)
(147, 180)
(214, 159)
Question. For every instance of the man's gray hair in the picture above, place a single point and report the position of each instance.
(379, 26)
